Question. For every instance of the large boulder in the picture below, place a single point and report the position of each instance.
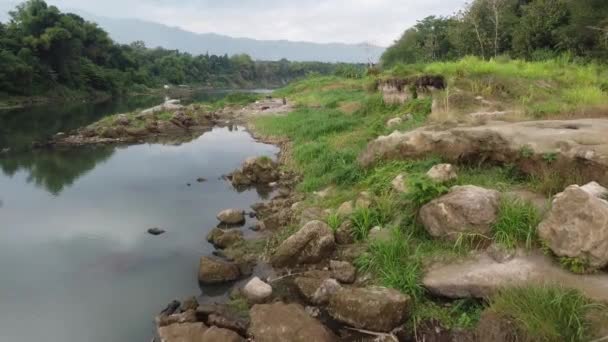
(215, 334)
(371, 308)
(256, 171)
(580, 144)
(214, 271)
(484, 274)
(183, 332)
(577, 227)
(464, 210)
(224, 238)
(231, 216)
(311, 244)
(257, 291)
(286, 322)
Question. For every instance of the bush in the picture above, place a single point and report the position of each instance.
(422, 189)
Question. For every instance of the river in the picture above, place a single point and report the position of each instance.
(76, 261)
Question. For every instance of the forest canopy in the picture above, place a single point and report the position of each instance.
(44, 51)
(526, 29)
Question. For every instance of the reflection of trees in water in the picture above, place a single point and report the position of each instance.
(55, 169)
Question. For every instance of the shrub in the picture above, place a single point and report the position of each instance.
(422, 190)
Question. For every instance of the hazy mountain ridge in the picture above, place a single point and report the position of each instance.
(153, 34)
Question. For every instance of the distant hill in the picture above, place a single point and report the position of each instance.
(153, 34)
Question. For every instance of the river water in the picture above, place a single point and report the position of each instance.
(76, 262)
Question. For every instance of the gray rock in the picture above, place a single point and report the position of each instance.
(577, 227)
(344, 233)
(379, 234)
(215, 334)
(346, 209)
(595, 189)
(231, 216)
(311, 244)
(257, 291)
(394, 122)
(372, 308)
(481, 276)
(324, 292)
(343, 271)
(256, 171)
(464, 210)
(286, 322)
(185, 332)
(213, 271)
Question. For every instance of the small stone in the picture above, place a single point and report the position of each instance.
(257, 291)
(201, 180)
(442, 173)
(343, 271)
(394, 122)
(327, 289)
(399, 183)
(379, 234)
(231, 217)
(346, 209)
(344, 234)
(213, 271)
(224, 238)
(156, 231)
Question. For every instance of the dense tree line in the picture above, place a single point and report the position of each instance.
(529, 29)
(45, 51)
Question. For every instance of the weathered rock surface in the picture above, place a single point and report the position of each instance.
(577, 227)
(327, 289)
(346, 209)
(185, 332)
(465, 209)
(213, 271)
(286, 322)
(344, 233)
(311, 244)
(578, 143)
(372, 308)
(256, 171)
(399, 183)
(343, 271)
(215, 334)
(595, 189)
(224, 238)
(394, 122)
(442, 173)
(307, 286)
(481, 276)
(257, 291)
(231, 216)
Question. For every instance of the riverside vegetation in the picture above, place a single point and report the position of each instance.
(46, 54)
(378, 236)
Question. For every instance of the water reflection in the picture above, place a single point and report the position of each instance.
(75, 258)
(53, 170)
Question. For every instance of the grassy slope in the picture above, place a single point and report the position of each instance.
(336, 118)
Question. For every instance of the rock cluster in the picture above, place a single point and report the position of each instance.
(311, 244)
(256, 171)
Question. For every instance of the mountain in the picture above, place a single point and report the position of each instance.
(126, 31)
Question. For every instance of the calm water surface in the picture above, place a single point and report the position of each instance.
(76, 262)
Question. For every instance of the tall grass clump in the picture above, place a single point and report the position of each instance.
(545, 313)
(396, 263)
(516, 223)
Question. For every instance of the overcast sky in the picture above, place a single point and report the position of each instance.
(352, 21)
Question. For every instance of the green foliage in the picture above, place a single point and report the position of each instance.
(334, 221)
(550, 157)
(349, 71)
(364, 219)
(396, 263)
(461, 314)
(43, 51)
(516, 223)
(422, 189)
(575, 265)
(532, 29)
(526, 152)
(545, 313)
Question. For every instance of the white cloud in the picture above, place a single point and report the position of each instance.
(352, 21)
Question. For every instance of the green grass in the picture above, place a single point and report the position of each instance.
(546, 313)
(334, 221)
(516, 224)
